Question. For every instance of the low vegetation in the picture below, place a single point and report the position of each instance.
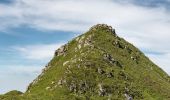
(98, 65)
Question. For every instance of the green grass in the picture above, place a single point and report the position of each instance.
(143, 79)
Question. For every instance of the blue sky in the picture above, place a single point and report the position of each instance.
(31, 30)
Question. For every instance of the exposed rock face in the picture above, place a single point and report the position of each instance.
(100, 71)
(73, 87)
(128, 97)
(61, 51)
(110, 75)
(101, 91)
(118, 44)
(99, 26)
(111, 60)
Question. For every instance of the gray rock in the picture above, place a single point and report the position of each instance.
(60, 82)
(61, 51)
(109, 28)
(118, 64)
(128, 97)
(88, 64)
(128, 49)
(118, 44)
(47, 88)
(102, 90)
(109, 75)
(100, 71)
(109, 58)
(133, 58)
(73, 87)
(83, 87)
(65, 63)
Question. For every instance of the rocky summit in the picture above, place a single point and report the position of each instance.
(97, 65)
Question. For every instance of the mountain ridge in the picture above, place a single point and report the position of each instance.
(99, 65)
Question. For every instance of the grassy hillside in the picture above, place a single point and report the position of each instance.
(98, 65)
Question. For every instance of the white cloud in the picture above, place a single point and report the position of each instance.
(147, 28)
(163, 62)
(37, 52)
(14, 76)
(17, 77)
(19, 70)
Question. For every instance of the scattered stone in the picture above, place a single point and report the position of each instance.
(88, 41)
(100, 71)
(109, 97)
(133, 58)
(61, 51)
(118, 64)
(47, 88)
(88, 64)
(103, 26)
(66, 62)
(128, 97)
(52, 82)
(76, 49)
(60, 82)
(73, 87)
(79, 46)
(109, 75)
(118, 44)
(102, 90)
(128, 49)
(77, 39)
(83, 87)
(109, 58)
(80, 41)
(78, 66)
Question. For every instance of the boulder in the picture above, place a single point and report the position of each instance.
(102, 90)
(103, 26)
(61, 51)
(118, 64)
(100, 71)
(128, 49)
(128, 97)
(109, 75)
(60, 82)
(73, 87)
(83, 87)
(66, 62)
(47, 88)
(109, 58)
(118, 44)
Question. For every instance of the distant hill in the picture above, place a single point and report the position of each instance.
(98, 65)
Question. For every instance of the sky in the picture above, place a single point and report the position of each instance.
(31, 30)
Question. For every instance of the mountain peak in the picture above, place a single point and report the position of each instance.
(98, 65)
(104, 27)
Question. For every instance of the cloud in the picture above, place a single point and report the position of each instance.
(37, 52)
(17, 77)
(163, 62)
(76, 15)
(30, 60)
(20, 70)
(145, 27)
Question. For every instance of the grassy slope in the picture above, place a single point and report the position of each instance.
(142, 78)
